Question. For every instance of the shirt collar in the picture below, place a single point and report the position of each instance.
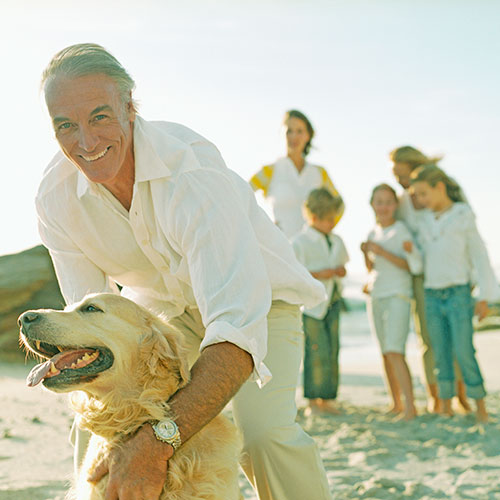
(315, 234)
(154, 150)
(285, 160)
(83, 185)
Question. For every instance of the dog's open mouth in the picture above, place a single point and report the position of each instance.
(67, 366)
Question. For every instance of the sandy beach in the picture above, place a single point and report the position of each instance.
(366, 453)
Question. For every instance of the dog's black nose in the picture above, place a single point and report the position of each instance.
(27, 318)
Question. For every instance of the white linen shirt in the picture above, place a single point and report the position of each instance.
(452, 249)
(312, 250)
(286, 189)
(386, 279)
(194, 237)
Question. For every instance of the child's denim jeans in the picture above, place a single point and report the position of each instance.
(449, 314)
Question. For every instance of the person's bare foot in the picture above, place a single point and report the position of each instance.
(482, 417)
(447, 410)
(409, 414)
(317, 406)
(464, 405)
(394, 410)
(481, 413)
(434, 405)
(328, 406)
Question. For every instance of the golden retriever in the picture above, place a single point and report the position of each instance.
(125, 363)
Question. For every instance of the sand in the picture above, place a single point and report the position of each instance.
(366, 453)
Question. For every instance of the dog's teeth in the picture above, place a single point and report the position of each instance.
(37, 343)
(53, 368)
(60, 348)
(85, 357)
(73, 365)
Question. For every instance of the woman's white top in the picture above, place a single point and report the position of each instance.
(386, 279)
(312, 250)
(452, 249)
(286, 189)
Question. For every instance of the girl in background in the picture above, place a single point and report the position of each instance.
(451, 244)
(390, 258)
(405, 160)
(287, 182)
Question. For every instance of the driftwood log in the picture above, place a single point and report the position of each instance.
(27, 281)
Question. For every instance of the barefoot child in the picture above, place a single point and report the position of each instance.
(451, 244)
(324, 255)
(391, 258)
(405, 160)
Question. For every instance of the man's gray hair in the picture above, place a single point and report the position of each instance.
(85, 59)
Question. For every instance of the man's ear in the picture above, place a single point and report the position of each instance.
(441, 186)
(131, 109)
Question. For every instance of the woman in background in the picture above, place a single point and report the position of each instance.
(287, 182)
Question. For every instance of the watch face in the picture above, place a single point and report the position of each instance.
(166, 429)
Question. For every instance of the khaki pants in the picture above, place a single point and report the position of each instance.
(280, 460)
(422, 331)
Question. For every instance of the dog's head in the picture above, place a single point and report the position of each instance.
(102, 343)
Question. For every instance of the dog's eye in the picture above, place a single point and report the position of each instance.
(91, 308)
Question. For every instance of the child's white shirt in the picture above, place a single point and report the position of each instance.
(311, 249)
(412, 216)
(453, 248)
(386, 279)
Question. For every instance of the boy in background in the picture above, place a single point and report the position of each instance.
(324, 255)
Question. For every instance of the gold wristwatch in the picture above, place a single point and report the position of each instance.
(168, 432)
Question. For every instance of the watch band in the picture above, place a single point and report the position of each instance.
(167, 432)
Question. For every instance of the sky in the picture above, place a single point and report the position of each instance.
(371, 76)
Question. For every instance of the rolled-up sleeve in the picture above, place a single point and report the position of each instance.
(488, 286)
(208, 223)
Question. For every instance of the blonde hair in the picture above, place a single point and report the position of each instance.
(411, 156)
(432, 174)
(383, 187)
(85, 59)
(321, 203)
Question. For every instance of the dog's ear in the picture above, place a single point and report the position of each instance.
(163, 356)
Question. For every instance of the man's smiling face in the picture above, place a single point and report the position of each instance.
(93, 126)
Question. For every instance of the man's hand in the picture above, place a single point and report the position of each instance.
(137, 469)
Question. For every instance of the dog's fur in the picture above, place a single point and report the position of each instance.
(148, 366)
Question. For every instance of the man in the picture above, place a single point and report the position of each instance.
(152, 206)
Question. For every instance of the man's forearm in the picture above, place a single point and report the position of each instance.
(216, 377)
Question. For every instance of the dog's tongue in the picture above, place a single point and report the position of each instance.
(61, 360)
(37, 373)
